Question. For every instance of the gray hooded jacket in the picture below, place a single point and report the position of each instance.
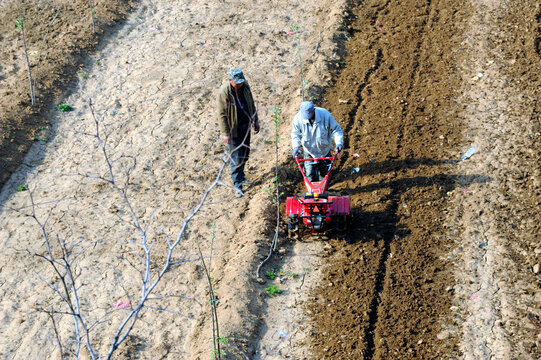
(316, 139)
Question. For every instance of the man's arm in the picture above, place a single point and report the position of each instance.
(222, 117)
(255, 121)
(336, 132)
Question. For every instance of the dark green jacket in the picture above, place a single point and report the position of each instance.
(227, 111)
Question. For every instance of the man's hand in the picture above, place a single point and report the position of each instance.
(337, 149)
(227, 139)
(295, 152)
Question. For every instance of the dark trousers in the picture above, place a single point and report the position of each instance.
(239, 157)
(316, 171)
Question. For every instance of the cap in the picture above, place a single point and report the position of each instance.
(237, 76)
(307, 109)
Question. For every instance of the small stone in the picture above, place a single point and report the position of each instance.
(536, 268)
(260, 280)
(443, 335)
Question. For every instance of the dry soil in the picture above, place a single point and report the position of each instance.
(442, 256)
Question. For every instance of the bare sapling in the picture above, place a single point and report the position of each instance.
(301, 69)
(92, 11)
(20, 27)
(301, 66)
(217, 340)
(64, 256)
(149, 279)
(276, 121)
(276, 184)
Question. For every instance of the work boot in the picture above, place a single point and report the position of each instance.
(238, 191)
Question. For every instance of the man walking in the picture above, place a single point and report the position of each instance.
(314, 128)
(237, 115)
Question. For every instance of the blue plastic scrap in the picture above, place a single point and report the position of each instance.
(468, 153)
(485, 243)
(284, 334)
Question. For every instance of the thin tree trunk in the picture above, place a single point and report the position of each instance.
(21, 23)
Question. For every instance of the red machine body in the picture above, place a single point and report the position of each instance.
(316, 209)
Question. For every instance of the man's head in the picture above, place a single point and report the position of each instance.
(236, 78)
(307, 110)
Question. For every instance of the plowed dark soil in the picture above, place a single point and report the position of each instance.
(386, 291)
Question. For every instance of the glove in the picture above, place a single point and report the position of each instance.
(337, 149)
(295, 152)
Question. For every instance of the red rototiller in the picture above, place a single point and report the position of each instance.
(316, 209)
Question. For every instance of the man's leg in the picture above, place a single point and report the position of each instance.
(311, 171)
(238, 159)
(237, 163)
(323, 168)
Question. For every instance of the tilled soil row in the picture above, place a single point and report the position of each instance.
(388, 283)
(385, 292)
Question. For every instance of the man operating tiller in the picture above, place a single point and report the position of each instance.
(314, 128)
